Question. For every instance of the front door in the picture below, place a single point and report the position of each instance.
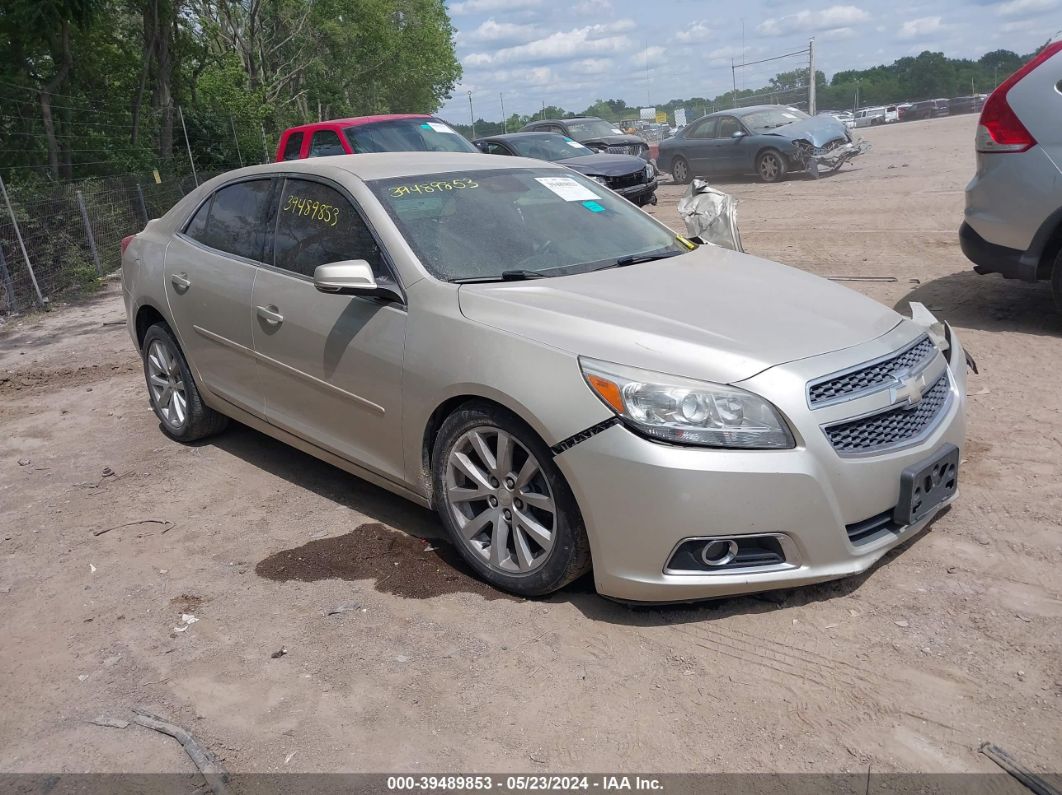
(728, 153)
(210, 270)
(331, 365)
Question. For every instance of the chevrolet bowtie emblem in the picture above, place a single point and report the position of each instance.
(910, 389)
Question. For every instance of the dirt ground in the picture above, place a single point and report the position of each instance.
(395, 661)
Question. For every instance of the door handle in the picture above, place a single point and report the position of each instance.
(180, 281)
(270, 315)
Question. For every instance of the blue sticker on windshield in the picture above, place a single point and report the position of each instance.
(594, 207)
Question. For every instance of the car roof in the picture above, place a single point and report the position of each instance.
(385, 165)
(565, 121)
(356, 121)
(510, 136)
(739, 112)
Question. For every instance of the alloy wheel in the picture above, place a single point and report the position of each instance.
(500, 501)
(166, 384)
(770, 167)
(679, 172)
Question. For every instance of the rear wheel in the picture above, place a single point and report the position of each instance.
(504, 503)
(174, 397)
(770, 167)
(680, 171)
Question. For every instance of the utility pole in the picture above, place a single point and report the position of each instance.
(471, 114)
(811, 77)
(505, 126)
(733, 77)
(648, 99)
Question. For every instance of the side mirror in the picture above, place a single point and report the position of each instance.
(350, 277)
(737, 134)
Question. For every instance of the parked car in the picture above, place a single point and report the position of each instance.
(901, 110)
(845, 117)
(629, 176)
(1013, 220)
(873, 116)
(594, 133)
(927, 109)
(971, 104)
(766, 140)
(554, 371)
(406, 132)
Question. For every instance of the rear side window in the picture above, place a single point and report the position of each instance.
(325, 143)
(293, 146)
(236, 219)
(316, 225)
(703, 129)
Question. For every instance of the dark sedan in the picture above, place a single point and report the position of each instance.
(766, 140)
(598, 134)
(927, 109)
(630, 177)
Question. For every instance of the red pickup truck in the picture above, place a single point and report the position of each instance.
(402, 132)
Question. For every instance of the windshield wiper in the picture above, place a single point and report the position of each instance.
(504, 276)
(636, 259)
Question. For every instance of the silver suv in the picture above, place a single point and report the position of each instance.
(1014, 202)
(562, 377)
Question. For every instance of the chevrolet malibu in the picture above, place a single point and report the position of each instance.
(568, 383)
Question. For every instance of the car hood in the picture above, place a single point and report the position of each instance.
(604, 165)
(712, 314)
(820, 131)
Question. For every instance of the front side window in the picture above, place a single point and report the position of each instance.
(476, 225)
(236, 220)
(728, 125)
(326, 143)
(293, 146)
(407, 135)
(317, 225)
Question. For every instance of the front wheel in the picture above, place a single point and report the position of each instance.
(770, 166)
(174, 397)
(680, 171)
(504, 503)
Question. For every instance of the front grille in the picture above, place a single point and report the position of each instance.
(873, 528)
(627, 180)
(872, 377)
(631, 149)
(891, 427)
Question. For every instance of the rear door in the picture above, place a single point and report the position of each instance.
(210, 271)
(698, 147)
(331, 365)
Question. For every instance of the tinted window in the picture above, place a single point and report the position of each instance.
(237, 219)
(197, 226)
(292, 146)
(326, 143)
(317, 225)
(492, 148)
(702, 129)
(728, 125)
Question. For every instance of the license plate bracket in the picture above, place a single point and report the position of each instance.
(925, 485)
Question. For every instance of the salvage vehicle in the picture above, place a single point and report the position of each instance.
(766, 140)
(567, 382)
(594, 133)
(872, 117)
(1013, 220)
(403, 132)
(629, 176)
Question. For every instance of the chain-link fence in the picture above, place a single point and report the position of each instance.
(61, 238)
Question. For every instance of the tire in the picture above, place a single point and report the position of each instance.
(877, 120)
(496, 513)
(770, 166)
(680, 171)
(1056, 281)
(172, 392)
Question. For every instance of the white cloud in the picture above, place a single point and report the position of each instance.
(486, 6)
(807, 21)
(920, 28)
(499, 33)
(593, 6)
(1020, 26)
(562, 45)
(697, 31)
(1022, 8)
(838, 34)
(592, 66)
(649, 55)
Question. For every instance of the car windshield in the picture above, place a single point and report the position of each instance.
(548, 147)
(582, 129)
(407, 135)
(477, 225)
(772, 117)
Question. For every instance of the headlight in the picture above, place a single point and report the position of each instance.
(649, 171)
(675, 409)
(600, 180)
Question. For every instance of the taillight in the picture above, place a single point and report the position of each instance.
(125, 243)
(999, 128)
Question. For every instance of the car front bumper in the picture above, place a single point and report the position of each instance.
(641, 499)
(639, 194)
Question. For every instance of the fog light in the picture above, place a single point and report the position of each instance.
(719, 553)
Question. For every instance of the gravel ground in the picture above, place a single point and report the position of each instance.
(395, 661)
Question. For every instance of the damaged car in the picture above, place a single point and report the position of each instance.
(629, 176)
(769, 141)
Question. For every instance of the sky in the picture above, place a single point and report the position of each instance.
(572, 52)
